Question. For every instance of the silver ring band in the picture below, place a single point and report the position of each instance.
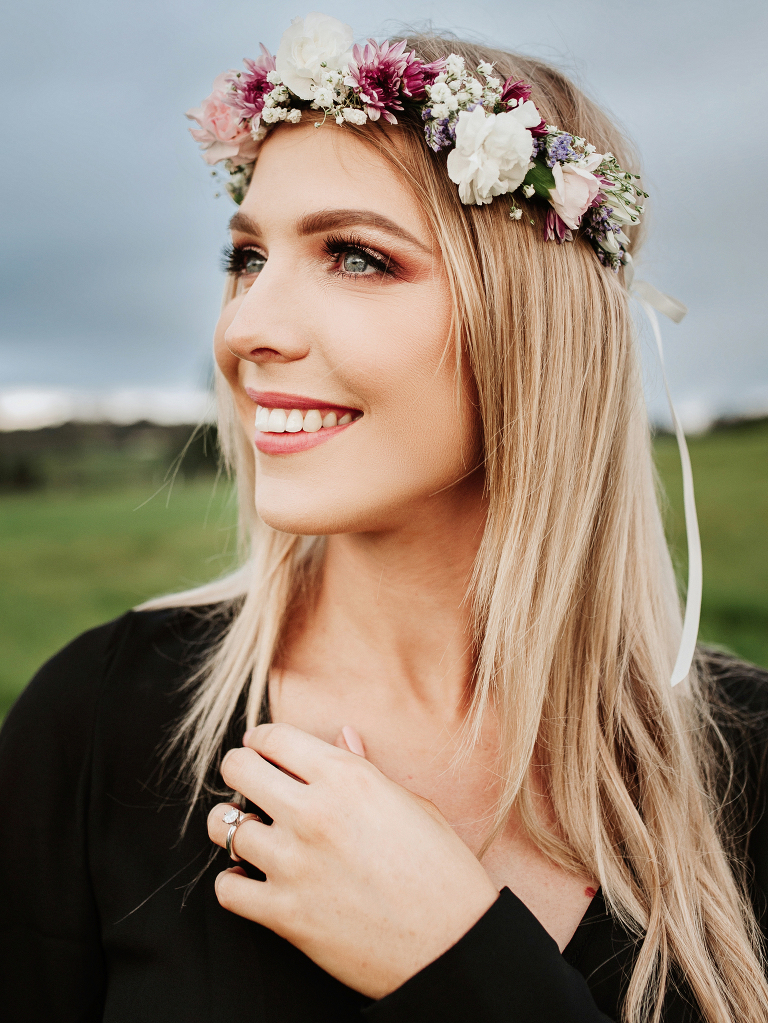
(235, 818)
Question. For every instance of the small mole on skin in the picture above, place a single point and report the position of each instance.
(590, 892)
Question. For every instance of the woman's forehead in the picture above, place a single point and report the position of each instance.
(307, 169)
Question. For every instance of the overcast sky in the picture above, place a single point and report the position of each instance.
(111, 232)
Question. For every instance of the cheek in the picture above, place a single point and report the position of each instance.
(418, 436)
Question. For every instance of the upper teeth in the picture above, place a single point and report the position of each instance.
(278, 420)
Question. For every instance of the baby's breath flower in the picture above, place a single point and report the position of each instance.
(271, 115)
(454, 64)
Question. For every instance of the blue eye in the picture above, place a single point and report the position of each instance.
(356, 263)
(253, 262)
(242, 262)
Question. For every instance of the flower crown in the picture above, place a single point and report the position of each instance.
(498, 142)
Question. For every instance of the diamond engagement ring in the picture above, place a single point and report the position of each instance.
(235, 818)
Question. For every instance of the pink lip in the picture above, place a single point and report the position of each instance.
(275, 399)
(288, 443)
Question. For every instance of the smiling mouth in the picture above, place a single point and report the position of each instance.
(280, 420)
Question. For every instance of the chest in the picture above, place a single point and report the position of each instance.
(420, 752)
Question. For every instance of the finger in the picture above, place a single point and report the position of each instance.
(245, 896)
(351, 740)
(274, 791)
(431, 808)
(252, 840)
(303, 755)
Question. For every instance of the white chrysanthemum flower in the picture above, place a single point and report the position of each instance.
(353, 115)
(308, 47)
(492, 155)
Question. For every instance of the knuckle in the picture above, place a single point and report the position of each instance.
(234, 765)
(315, 823)
(273, 739)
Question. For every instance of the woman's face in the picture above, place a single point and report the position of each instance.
(343, 317)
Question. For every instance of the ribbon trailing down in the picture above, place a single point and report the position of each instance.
(652, 301)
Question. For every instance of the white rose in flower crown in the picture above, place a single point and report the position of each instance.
(575, 188)
(492, 154)
(308, 44)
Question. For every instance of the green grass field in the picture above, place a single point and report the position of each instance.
(73, 557)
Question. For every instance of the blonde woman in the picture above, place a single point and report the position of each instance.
(430, 718)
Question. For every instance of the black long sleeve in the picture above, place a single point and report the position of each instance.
(108, 912)
(505, 968)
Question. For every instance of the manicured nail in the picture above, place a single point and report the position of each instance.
(247, 736)
(353, 740)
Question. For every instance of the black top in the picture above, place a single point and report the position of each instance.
(100, 917)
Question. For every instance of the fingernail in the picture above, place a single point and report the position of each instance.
(353, 740)
(249, 732)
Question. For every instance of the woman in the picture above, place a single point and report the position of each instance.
(441, 679)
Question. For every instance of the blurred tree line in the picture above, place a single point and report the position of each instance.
(99, 456)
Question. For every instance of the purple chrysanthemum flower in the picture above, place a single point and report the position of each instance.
(417, 75)
(377, 75)
(519, 91)
(250, 87)
(557, 229)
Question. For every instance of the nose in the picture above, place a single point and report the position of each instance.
(268, 325)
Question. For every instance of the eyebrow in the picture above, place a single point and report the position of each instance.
(334, 220)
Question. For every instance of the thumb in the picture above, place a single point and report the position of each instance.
(350, 740)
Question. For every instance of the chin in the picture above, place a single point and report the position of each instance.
(316, 511)
(305, 514)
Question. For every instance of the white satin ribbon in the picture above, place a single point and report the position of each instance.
(652, 301)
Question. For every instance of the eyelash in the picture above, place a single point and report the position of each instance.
(337, 246)
(234, 257)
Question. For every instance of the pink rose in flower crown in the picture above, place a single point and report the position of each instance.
(575, 188)
(221, 135)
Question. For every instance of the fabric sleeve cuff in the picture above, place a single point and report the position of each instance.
(506, 967)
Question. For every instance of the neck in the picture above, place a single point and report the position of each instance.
(392, 614)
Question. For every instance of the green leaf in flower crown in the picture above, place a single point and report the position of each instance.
(541, 177)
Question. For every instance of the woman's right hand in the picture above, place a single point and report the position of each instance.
(366, 878)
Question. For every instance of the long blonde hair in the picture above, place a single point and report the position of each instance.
(576, 612)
